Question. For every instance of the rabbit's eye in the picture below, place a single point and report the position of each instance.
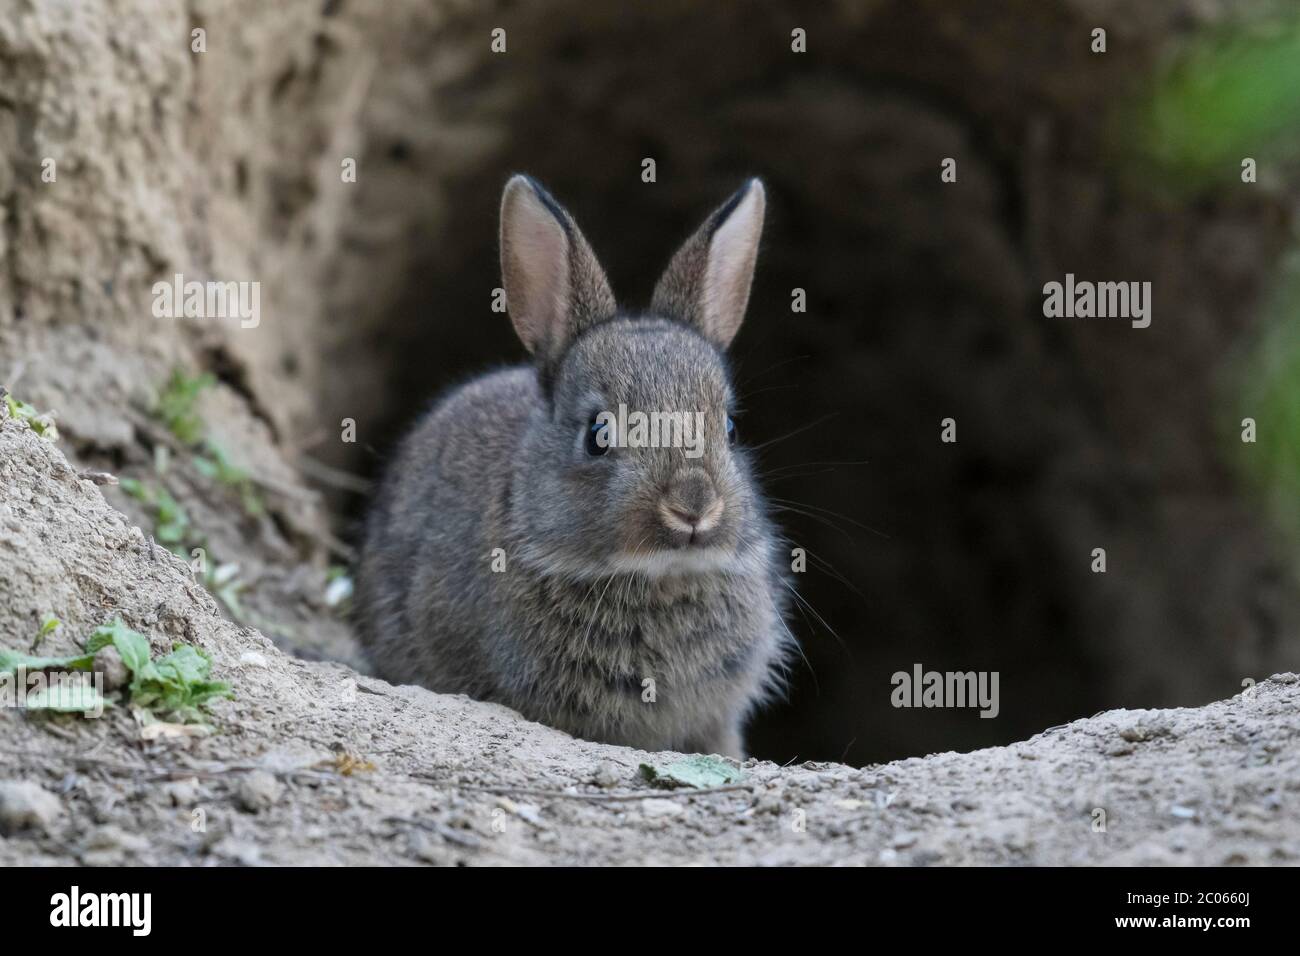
(731, 430)
(597, 439)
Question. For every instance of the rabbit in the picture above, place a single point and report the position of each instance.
(519, 551)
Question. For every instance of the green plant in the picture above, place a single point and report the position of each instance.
(49, 624)
(11, 661)
(175, 405)
(1270, 395)
(40, 422)
(1232, 95)
(176, 685)
(175, 531)
(171, 522)
(217, 466)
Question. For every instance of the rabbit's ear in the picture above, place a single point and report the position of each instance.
(554, 285)
(707, 282)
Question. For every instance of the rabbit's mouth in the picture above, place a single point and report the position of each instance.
(682, 538)
(689, 560)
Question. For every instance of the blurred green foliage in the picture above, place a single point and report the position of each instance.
(1235, 94)
(1230, 96)
(1270, 394)
(40, 422)
(176, 405)
(171, 522)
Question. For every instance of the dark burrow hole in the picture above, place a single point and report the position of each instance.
(923, 304)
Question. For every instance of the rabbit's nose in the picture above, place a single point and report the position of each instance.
(692, 507)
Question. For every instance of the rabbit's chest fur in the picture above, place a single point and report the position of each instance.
(659, 663)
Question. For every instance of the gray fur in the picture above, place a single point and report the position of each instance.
(569, 632)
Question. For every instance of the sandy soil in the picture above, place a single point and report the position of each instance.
(315, 763)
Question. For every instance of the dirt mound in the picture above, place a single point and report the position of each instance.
(315, 763)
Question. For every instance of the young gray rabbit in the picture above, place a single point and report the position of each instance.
(521, 551)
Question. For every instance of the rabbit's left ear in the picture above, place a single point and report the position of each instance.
(555, 288)
(707, 282)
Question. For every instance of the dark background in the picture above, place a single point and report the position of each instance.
(924, 302)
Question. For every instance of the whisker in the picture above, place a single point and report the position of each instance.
(804, 601)
(763, 391)
(817, 687)
(595, 614)
(812, 464)
(771, 368)
(773, 479)
(830, 569)
(798, 431)
(815, 517)
(830, 513)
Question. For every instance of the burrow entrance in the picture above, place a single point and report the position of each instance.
(923, 303)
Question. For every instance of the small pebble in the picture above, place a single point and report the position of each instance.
(238, 851)
(424, 848)
(109, 663)
(258, 791)
(182, 793)
(530, 813)
(112, 838)
(661, 808)
(25, 805)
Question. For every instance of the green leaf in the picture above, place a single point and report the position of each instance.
(206, 467)
(1233, 93)
(49, 625)
(42, 424)
(11, 661)
(178, 683)
(176, 402)
(217, 466)
(696, 771)
(171, 523)
(133, 647)
(170, 533)
(185, 665)
(135, 488)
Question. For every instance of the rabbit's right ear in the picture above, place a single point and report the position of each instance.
(554, 286)
(707, 282)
